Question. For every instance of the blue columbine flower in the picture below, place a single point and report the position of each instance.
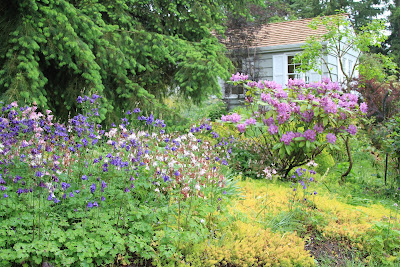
(166, 178)
(103, 184)
(93, 188)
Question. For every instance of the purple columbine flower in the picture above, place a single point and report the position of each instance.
(93, 188)
(5, 196)
(65, 186)
(103, 198)
(166, 178)
(89, 205)
(103, 184)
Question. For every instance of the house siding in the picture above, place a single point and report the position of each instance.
(263, 66)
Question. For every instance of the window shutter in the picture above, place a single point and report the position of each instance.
(314, 76)
(279, 65)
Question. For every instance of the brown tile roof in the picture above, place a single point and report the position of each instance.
(283, 33)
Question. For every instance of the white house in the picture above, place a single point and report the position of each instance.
(272, 52)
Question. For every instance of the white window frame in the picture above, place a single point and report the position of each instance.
(300, 75)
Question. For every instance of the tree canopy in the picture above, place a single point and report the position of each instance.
(339, 40)
(362, 12)
(127, 50)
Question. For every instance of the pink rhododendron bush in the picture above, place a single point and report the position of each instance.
(293, 125)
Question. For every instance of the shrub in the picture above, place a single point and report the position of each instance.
(324, 161)
(295, 125)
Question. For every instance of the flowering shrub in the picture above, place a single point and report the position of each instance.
(296, 123)
(76, 192)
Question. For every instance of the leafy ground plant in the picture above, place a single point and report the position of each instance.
(76, 193)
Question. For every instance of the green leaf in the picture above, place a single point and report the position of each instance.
(303, 108)
(276, 146)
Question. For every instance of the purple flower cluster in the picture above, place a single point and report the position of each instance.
(331, 138)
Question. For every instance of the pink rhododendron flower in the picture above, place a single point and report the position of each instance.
(331, 138)
(287, 137)
(269, 121)
(239, 77)
(352, 129)
(318, 128)
(241, 127)
(364, 107)
(310, 135)
(284, 112)
(250, 121)
(273, 129)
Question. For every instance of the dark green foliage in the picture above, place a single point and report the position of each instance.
(394, 38)
(362, 12)
(130, 51)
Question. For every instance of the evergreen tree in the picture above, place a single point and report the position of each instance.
(127, 50)
(393, 41)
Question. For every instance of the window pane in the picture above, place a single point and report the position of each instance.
(290, 59)
(290, 68)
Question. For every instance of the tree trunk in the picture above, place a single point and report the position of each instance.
(350, 160)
